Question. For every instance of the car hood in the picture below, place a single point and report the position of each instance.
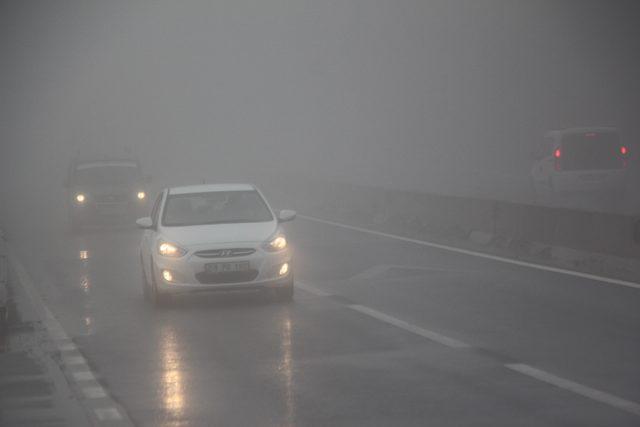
(193, 236)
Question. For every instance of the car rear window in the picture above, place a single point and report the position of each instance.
(591, 151)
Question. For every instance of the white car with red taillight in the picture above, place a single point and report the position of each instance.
(209, 238)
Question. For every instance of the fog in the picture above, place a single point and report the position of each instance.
(451, 266)
(425, 95)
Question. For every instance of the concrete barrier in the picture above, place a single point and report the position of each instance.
(421, 214)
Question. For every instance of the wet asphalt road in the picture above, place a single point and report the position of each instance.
(247, 361)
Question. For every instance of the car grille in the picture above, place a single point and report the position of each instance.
(225, 253)
(228, 277)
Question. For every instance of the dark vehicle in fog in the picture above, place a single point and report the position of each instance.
(105, 190)
(581, 160)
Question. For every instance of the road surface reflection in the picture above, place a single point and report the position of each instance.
(172, 392)
(285, 369)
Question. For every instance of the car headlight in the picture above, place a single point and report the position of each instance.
(80, 198)
(141, 195)
(170, 250)
(275, 243)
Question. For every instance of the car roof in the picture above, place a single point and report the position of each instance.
(103, 163)
(582, 130)
(209, 188)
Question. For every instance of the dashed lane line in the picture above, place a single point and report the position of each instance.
(529, 371)
(577, 388)
(425, 333)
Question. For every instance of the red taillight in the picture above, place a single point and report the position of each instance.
(624, 150)
(557, 153)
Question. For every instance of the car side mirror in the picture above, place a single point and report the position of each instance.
(144, 223)
(286, 215)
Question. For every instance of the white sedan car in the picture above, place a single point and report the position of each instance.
(211, 238)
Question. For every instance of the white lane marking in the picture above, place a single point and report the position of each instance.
(425, 333)
(94, 392)
(380, 269)
(67, 347)
(74, 360)
(480, 254)
(311, 289)
(582, 390)
(55, 330)
(108, 414)
(83, 376)
(372, 272)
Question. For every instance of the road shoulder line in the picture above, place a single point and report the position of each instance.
(478, 254)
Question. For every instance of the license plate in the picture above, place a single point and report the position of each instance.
(111, 209)
(226, 267)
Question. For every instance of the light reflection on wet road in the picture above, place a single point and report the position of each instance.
(286, 370)
(173, 382)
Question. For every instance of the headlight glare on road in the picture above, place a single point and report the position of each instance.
(80, 198)
(277, 243)
(141, 195)
(170, 250)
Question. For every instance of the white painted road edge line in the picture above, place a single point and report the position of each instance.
(108, 414)
(425, 333)
(61, 339)
(83, 376)
(74, 360)
(94, 392)
(479, 254)
(591, 393)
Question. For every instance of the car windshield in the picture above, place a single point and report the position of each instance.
(106, 175)
(219, 207)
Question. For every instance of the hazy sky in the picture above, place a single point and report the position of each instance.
(419, 94)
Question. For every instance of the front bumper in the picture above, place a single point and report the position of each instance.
(188, 273)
